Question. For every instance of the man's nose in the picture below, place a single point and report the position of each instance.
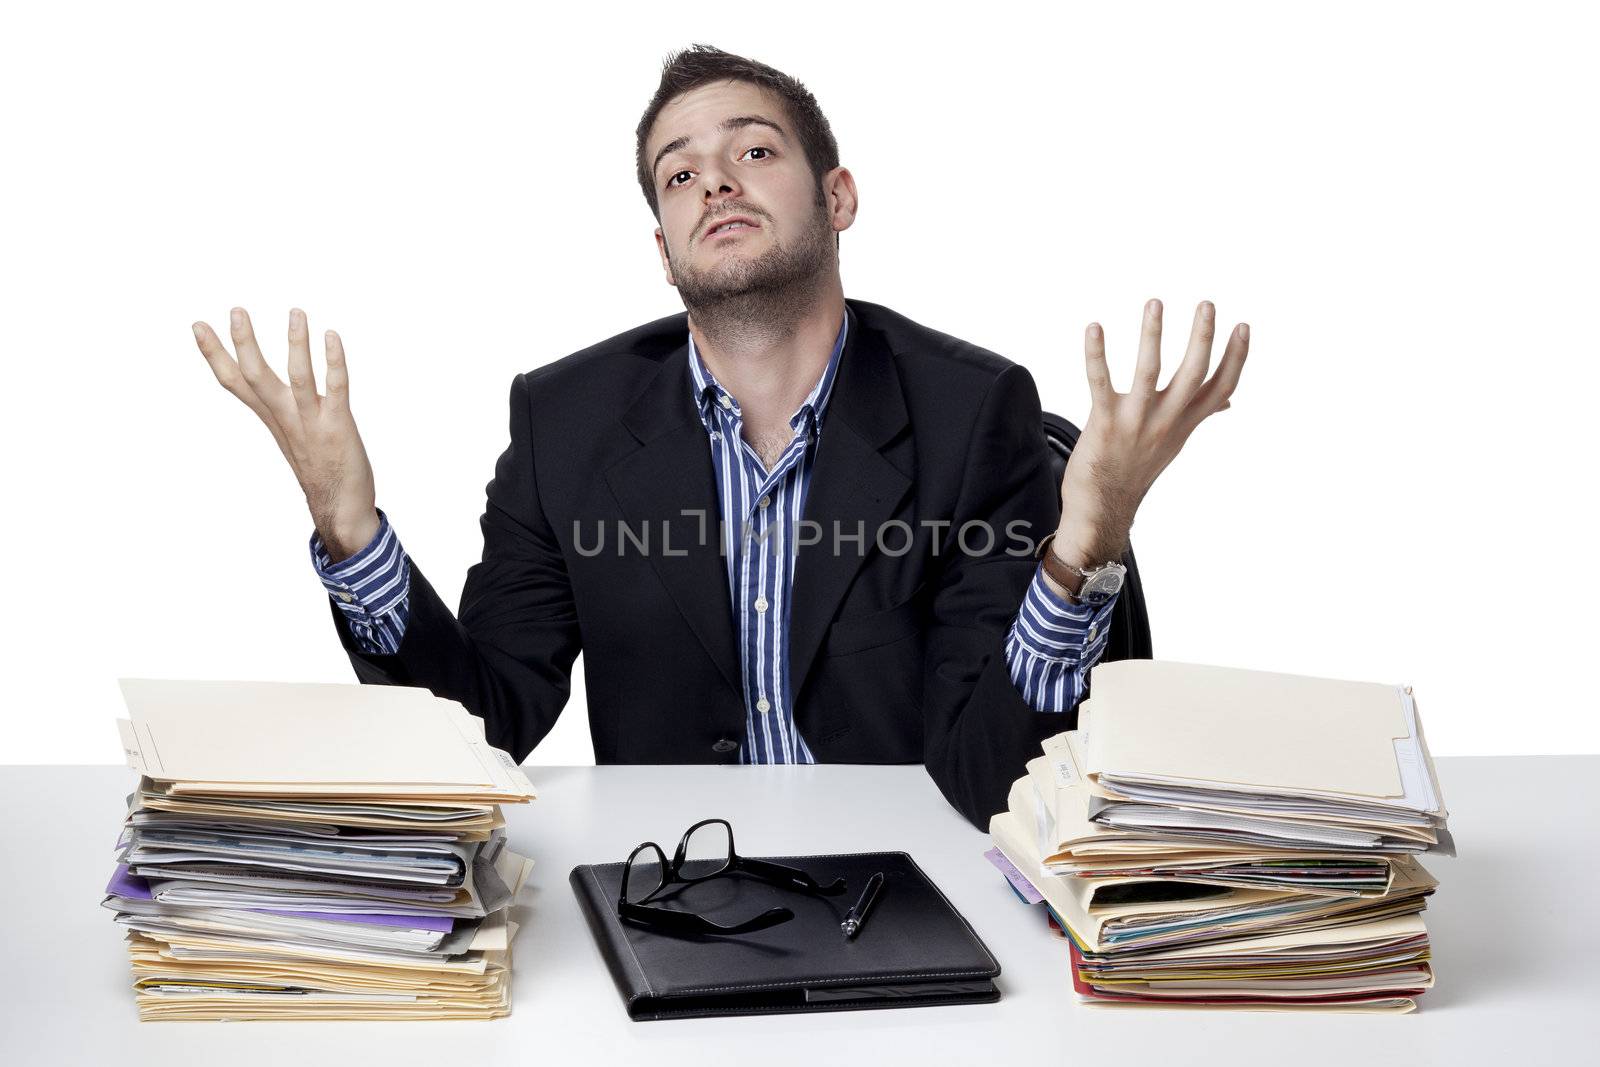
(718, 185)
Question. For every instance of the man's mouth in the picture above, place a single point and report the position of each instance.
(730, 226)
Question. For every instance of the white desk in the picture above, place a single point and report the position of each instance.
(1513, 924)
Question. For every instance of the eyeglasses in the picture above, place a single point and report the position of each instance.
(709, 842)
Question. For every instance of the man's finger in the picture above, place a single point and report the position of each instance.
(1148, 370)
(1094, 352)
(1215, 393)
(232, 379)
(221, 362)
(266, 384)
(1191, 373)
(338, 381)
(302, 383)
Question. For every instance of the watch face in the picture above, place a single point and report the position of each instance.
(1102, 585)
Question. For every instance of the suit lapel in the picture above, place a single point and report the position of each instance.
(655, 485)
(852, 488)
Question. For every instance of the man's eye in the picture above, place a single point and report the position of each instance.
(754, 148)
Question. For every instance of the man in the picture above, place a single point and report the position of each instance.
(784, 527)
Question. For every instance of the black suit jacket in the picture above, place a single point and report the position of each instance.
(896, 652)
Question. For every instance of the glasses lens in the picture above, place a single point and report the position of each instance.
(708, 850)
(644, 873)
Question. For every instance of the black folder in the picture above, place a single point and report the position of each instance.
(915, 948)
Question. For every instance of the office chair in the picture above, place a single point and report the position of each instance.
(1130, 622)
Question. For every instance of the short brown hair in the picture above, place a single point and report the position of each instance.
(700, 64)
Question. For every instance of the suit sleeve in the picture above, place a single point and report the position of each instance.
(979, 730)
(507, 654)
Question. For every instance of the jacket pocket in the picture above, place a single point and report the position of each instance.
(857, 633)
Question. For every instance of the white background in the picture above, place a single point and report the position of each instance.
(1399, 199)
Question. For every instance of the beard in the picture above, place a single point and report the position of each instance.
(751, 299)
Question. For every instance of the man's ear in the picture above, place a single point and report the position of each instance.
(666, 260)
(839, 189)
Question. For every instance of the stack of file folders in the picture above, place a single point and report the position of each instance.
(1213, 838)
(314, 851)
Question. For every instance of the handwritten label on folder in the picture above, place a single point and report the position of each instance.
(1066, 771)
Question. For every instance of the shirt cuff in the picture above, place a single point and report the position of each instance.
(370, 583)
(1050, 626)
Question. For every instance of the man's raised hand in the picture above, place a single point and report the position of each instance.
(316, 434)
(1131, 437)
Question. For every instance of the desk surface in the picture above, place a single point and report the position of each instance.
(1513, 924)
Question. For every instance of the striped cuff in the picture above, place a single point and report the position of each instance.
(1053, 644)
(371, 587)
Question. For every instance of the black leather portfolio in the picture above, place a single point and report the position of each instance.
(914, 949)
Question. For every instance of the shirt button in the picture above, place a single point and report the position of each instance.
(763, 502)
(1093, 630)
(761, 603)
(727, 401)
(346, 597)
(763, 706)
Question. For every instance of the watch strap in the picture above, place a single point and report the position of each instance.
(1067, 578)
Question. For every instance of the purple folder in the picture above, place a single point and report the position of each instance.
(125, 884)
(1018, 880)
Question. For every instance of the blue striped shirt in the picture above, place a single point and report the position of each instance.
(761, 511)
(1049, 649)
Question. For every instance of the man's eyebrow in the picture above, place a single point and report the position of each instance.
(735, 123)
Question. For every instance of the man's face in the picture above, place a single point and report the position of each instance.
(728, 150)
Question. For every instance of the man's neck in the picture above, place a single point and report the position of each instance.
(770, 372)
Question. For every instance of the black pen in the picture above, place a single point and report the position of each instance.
(856, 917)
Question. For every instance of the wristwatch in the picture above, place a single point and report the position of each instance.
(1099, 585)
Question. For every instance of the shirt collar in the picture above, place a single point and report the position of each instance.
(709, 393)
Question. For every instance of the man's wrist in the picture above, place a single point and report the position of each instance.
(344, 540)
(1068, 556)
(1087, 549)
